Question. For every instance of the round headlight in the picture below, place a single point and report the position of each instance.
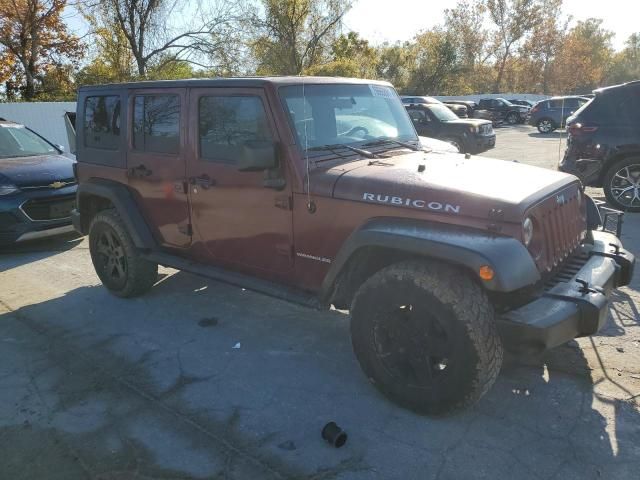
(527, 231)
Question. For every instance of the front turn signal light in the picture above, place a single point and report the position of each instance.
(486, 273)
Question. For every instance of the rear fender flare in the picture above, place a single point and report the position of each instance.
(513, 265)
(124, 203)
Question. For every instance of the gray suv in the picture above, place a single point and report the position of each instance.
(549, 115)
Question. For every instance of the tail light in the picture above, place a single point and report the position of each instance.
(577, 129)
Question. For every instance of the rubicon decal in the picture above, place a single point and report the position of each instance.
(411, 202)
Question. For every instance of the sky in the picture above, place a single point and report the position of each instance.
(391, 20)
(399, 20)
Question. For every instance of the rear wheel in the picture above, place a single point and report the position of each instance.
(622, 185)
(115, 258)
(545, 125)
(512, 118)
(425, 336)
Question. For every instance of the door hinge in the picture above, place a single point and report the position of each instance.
(285, 203)
(186, 229)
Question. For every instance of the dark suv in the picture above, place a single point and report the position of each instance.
(549, 115)
(505, 110)
(603, 145)
(467, 135)
(318, 191)
(37, 186)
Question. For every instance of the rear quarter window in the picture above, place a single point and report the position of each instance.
(102, 122)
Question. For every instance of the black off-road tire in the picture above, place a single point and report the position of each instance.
(624, 203)
(109, 241)
(439, 295)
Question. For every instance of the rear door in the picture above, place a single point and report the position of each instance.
(156, 162)
(240, 222)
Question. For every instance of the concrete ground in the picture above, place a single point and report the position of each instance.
(198, 379)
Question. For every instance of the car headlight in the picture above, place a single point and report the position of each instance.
(8, 189)
(527, 231)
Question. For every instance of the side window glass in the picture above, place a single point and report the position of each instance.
(156, 123)
(102, 122)
(416, 115)
(226, 123)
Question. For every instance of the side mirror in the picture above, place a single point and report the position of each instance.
(257, 156)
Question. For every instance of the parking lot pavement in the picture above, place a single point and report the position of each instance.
(199, 379)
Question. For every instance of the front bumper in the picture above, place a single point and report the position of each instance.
(15, 223)
(482, 143)
(574, 308)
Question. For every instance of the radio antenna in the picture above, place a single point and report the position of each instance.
(310, 207)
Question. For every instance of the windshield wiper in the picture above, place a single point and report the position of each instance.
(364, 153)
(382, 141)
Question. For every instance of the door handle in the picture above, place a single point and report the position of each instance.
(204, 181)
(139, 171)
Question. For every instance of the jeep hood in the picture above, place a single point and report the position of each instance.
(449, 184)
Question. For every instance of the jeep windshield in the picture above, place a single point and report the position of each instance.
(17, 141)
(338, 115)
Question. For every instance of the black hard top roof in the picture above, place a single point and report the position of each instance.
(238, 82)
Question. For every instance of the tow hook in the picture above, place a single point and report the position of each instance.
(585, 288)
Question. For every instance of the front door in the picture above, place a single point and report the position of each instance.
(156, 162)
(422, 121)
(239, 221)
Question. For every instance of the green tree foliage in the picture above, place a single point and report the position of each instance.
(34, 44)
(585, 58)
(351, 56)
(626, 64)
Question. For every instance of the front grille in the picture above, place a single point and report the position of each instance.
(561, 225)
(56, 208)
(567, 270)
(486, 129)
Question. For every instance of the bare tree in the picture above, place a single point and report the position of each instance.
(146, 26)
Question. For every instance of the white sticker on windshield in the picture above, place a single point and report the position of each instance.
(381, 91)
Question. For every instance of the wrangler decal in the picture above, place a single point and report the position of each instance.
(409, 202)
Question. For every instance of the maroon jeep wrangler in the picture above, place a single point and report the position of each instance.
(318, 190)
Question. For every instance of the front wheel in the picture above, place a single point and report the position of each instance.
(622, 185)
(456, 143)
(115, 258)
(512, 118)
(425, 336)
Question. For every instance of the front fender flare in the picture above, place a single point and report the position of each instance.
(513, 265)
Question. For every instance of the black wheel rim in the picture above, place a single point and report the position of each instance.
(625, 186)
(414, 345)
(111, 258)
